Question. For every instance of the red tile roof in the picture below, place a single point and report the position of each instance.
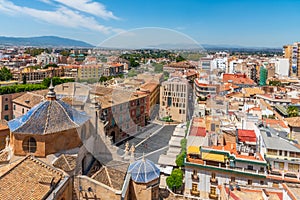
(238, 79)
(198, 131)
(246, 135)
(275, 122)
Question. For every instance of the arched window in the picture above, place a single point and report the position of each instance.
(29, 145)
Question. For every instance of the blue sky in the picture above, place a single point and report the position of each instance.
(268, 23)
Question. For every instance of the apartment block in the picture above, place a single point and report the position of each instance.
(174, 99)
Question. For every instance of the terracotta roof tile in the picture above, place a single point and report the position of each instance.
(29, 99)
(112, 175)
(65, 162)
(238, 79)
(293, 121)
(275, 122)
(28, 179)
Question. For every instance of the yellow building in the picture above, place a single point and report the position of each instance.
(90, 71)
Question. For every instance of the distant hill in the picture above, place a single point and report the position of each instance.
(42, 41)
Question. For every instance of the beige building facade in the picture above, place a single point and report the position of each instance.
(174, 99)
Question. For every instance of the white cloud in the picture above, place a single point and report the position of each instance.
(90, 7)
(46, 1)
(62, 16)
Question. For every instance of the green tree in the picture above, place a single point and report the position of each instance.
(180, 159)
(174, 181)
(158, 68)
(65, 53)
(56, 81)
(5, 74)
(179, 58)
(183, 143)
(21, 88)
(166, 75)
(275, 83)
(103, 79)
(133, 63)
(132, 73)
(293, 111)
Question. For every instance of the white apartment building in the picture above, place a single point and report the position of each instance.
(46, 58)
(232, 65)
(281, 66)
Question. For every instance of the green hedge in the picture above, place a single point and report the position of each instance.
(56, 81)
(21, 88)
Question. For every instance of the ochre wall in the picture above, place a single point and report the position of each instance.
(140, 190)
(48, 144)
(66, 192)
(3, 134)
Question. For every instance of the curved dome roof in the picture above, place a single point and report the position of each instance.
(143, 171)
(50, 116)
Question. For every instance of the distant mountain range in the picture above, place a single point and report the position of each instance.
(42, 41)
(54, 41)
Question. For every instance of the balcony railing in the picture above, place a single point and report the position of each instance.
(204, 163)
(213, 196)
(195, 193)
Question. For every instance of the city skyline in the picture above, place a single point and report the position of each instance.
(245, 23)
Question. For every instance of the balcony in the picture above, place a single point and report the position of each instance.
(214, 181)
(195, 193)
(195, 178)
(204, 164)
(213, 196)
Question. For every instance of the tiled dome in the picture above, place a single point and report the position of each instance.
(49, 116)
(143, 171)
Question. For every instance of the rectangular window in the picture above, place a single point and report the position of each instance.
(272, 152)
(14, 107)
(249, 182)
(232, 179)
(250, 167)
(194, 186)
(6, 117)
(293, 167)
(6, 107)
(212, 127)
(213, 190)
(279, 165)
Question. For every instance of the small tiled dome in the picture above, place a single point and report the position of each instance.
(143, 171)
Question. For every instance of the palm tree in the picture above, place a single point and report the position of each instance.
(293, 111)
